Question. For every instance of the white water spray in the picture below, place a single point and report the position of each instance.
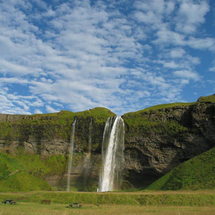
(112, 154)
(87, 166)
(71, 154)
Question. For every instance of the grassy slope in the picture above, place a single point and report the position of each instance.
(197, 173)
(210, 98)
(13, 177)
(35, 167)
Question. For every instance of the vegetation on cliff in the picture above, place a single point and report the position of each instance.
(210, 98)
(41, 127)
(196, 174)
(156, 120)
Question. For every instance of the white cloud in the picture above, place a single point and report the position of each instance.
(40, 4)
(13, 80)
(159, 7)
(37, 111)
(166, 36)
(212, 69)
(201, 43)
(142, 94)
(37, 103)
(8, 107)
(190, 15)
(57, 104)
(51, 110)
(186, 74)
(169, 64)
(9, 67)
(177, 53)
(149, 17)
(184, 82)
(21, 103)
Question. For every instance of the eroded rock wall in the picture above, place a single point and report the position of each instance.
(173, 135)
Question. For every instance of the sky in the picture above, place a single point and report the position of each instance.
(124, 55)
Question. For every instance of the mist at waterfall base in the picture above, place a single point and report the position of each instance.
(112, 155)
(71, 154)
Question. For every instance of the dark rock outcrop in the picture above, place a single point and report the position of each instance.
(175, 135)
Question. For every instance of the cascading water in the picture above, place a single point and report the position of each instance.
(88, 156)
(112, 155)
(90, 137)
(71, 154)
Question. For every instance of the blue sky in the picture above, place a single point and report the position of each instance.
(124, 55)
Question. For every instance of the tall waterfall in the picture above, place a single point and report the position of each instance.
(71, 154)
(112, 155)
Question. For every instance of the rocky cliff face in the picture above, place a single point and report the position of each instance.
(49, 134)
(156, 139)
(165, 137)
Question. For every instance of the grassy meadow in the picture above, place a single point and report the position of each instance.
(155, 202)
(61, 209)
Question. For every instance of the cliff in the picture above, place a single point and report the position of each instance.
(48, 134)
(157, 139)
(162, 137)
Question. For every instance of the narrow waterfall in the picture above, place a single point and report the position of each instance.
(87, 165)
(112, 155)
(90, 137)
(71, 154)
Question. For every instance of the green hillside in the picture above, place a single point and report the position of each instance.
(13, 177)
(210, 98)
(195, 174)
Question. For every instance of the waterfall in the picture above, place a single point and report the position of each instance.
(71, 154)
(90, 137)
(112, 155)
(88, 156)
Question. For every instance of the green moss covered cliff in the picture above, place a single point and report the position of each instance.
(157, 139)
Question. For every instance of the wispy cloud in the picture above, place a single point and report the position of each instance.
(123, 55)
(186, 74)
(212, 69)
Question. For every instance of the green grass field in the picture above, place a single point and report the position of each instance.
(162, 203)
(62, 209)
